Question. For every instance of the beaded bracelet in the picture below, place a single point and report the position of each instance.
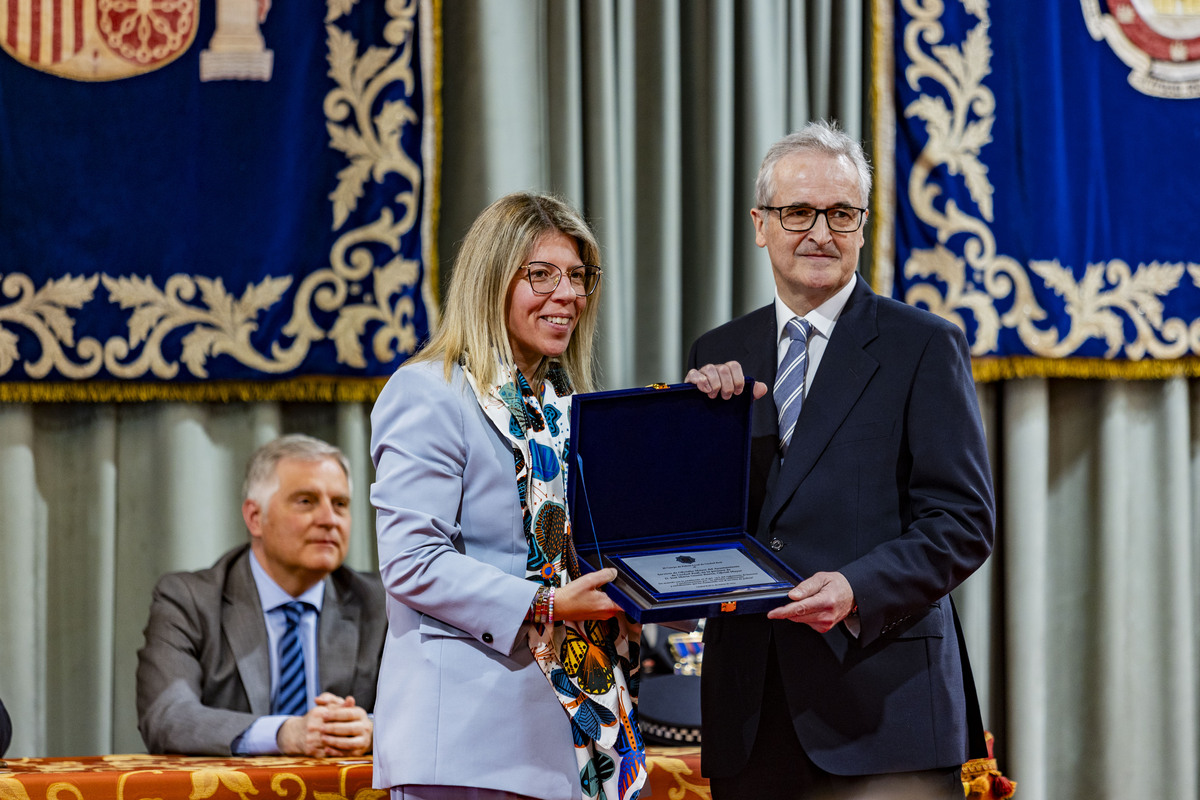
(537, 609)
(542, 609)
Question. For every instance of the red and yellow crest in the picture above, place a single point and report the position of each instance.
(97, 40)
(1158, 39)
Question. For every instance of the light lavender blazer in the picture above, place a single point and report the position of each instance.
(460, 700)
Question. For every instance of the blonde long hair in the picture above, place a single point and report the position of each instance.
(474, 321)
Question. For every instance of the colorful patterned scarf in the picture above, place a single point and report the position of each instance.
(593, 665)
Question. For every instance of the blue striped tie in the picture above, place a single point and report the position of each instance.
(291, 695)
(789, 386)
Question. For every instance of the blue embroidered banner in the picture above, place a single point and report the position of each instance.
(1045, 180)
(214, 199)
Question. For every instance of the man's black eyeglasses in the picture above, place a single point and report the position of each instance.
(840, 219)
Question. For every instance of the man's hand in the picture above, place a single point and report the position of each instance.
(723, 379)
(820, 602)
(334, 727)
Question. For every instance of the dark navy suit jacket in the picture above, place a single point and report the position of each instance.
(887, 481)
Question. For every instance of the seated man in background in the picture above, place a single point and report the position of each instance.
(276, 647)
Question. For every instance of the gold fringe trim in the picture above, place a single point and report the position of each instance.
(988, 370)
(303, 390)
(882, 104)
(432, 268)
(366, 390)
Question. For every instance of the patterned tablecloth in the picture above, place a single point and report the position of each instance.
(674, 774)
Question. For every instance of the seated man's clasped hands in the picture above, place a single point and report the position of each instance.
(276, 647)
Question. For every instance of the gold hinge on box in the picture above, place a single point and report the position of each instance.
(658, 386)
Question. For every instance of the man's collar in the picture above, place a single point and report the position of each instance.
(822, 317)
(272, 595)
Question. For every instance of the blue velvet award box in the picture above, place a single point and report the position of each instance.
(658, 486)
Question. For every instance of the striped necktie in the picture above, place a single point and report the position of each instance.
(291, 695)
(789, 386)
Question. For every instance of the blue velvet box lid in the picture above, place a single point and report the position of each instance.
(665, 469)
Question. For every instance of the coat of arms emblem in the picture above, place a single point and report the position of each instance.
(97, 40)
(1159, 40)
(106, 40)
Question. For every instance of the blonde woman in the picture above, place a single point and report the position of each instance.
(506, 674)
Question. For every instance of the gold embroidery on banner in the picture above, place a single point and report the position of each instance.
(1096, 312)
(338, 8)
(370, 139)
(1097, 305)
(221, 326)
(44, 313)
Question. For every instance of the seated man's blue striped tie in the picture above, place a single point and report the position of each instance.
(291, 695)
(789, 385)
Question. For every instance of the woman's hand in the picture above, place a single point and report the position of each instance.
(584, 597)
